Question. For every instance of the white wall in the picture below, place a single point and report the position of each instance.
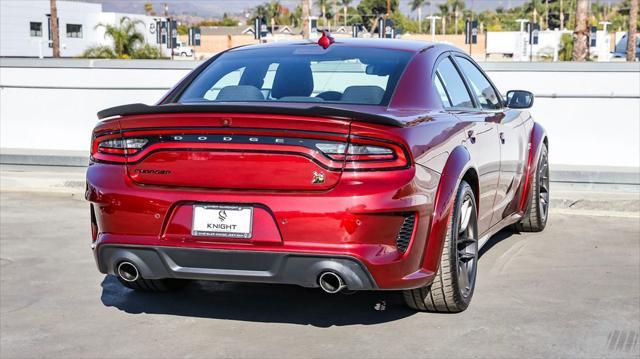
(16, 40)
(591, 111)
(598, 123)
(15, 16)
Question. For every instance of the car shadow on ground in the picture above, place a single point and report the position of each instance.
(260, 303)
(503, 235)
(268, 302)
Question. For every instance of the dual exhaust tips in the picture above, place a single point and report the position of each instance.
(330, 282)
(128, 271)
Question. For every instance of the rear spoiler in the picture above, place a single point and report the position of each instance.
(327, 111)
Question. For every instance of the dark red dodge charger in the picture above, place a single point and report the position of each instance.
(360, 165)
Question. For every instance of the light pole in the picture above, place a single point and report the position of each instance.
(604, 46)
(169, 29)
(433, 26)
(523, 36)
(522, 22)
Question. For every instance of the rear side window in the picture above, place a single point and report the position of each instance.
(306, 73)
(482, 88)
(454, 87)
(441, 91)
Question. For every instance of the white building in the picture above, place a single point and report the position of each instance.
(25, 27)
(515, 44)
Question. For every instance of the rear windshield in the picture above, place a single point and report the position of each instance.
(306, 73)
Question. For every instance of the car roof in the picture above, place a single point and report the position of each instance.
(390, 44)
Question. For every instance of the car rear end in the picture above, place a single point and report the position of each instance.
(259, 196)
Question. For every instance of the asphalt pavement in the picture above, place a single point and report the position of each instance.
(571, 291)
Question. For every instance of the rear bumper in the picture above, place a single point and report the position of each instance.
(237, 266)
(359, 219)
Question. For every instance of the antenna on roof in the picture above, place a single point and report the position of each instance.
(326, 40)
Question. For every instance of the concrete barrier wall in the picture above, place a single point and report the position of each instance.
(591, 110)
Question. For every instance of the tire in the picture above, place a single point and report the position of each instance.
(535, 218)
(452, 289)
(183, 54)
(155, 285)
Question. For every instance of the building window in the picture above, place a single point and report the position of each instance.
(36, 29)
(74, 30)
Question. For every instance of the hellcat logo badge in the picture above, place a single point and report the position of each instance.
(318, 178)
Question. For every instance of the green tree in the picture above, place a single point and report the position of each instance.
(271, 10)
(183, 29)
(148, 9)
(345, 10)
(99, 52)
(226, 21)
(146, 51)
(417, 5)
(370, 10)
(125, 36)
(326, 10)
(565, 52)
(127, 42)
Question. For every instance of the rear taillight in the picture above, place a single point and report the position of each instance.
(122, 146)
(365, 154)
(113, 148)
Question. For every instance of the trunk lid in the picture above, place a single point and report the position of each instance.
(235, 151)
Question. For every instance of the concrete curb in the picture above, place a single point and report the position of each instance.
(43, 158)
(595, 174)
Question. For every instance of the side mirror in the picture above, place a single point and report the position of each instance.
(519, 99)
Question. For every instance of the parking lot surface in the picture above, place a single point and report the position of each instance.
(571, 291)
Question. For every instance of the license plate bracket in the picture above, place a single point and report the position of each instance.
(231, 221)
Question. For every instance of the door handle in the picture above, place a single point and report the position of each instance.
(502, 137)
(471, 137)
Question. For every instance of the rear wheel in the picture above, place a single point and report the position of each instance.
(535, 218)
(452, 289)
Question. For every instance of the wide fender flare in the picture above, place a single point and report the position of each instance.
(536, 141)
(457, 164)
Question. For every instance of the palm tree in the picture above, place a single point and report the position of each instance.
(323, 5)
(345, 7)
(261, 12)
(418, 4)
(125, 36)
(55, 36)
(631, 35)
(305, 19)
(580, 34)
(274, 9)
(444, 13)
(458, 7)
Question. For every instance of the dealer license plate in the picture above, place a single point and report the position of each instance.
(222, 221)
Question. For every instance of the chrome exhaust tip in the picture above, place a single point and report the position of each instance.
(128, 271)
(331, 282)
